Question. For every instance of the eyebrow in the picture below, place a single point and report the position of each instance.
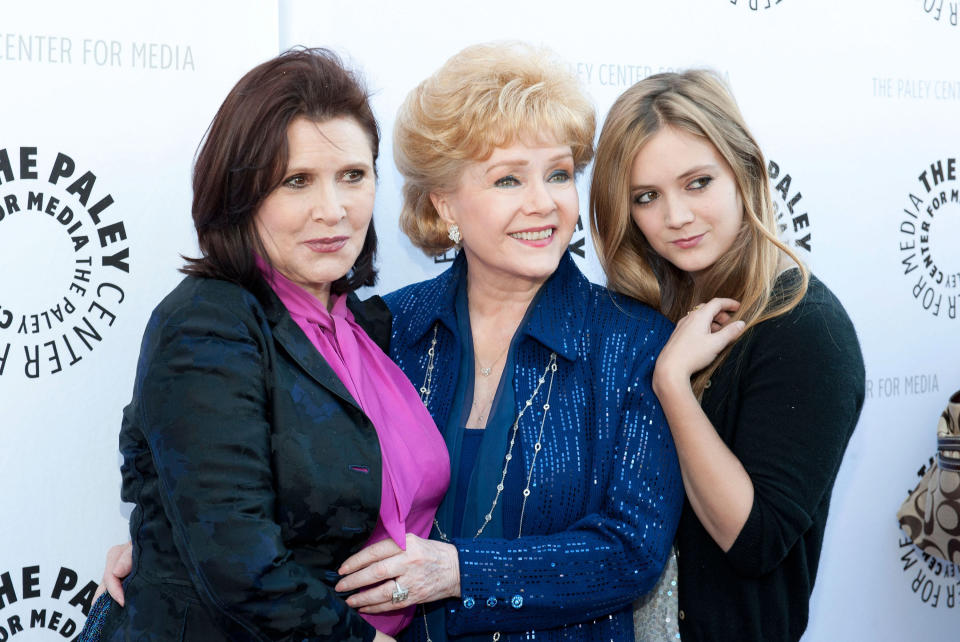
(687, 174)
(309, 169)
(520, 162)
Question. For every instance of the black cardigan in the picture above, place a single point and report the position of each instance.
(785, 401)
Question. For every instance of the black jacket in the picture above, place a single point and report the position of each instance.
(785, 401)
(253, 471)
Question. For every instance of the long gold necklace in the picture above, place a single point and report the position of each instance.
(551, 369)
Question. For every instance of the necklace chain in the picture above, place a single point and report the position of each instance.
(486, 372)
(551, 369)
(428, 377)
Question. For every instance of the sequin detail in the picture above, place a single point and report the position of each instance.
(93, 627)
(655, 615)
(606, 492)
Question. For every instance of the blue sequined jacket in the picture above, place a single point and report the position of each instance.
(607, 491)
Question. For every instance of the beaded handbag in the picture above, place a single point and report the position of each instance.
(931, 514)
(655, 614)
(93, 629)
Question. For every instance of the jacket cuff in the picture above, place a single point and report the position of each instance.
(484, 602)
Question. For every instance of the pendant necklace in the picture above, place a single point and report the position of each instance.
(550, 370)
(485, 372)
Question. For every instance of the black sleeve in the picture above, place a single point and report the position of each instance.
(803, 389)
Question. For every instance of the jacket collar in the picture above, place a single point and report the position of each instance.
(439, 301)
(559, 309)
(289, 335)
(555, 319)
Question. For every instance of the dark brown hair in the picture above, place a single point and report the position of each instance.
(244, 157)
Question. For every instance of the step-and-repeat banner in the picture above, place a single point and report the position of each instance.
(103, 106)
(105, 102)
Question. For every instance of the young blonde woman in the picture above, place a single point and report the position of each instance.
(762, 380)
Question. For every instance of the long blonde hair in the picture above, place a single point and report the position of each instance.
(699, 103)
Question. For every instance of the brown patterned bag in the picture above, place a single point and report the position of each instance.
(931, 514)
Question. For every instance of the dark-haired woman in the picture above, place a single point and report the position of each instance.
(269, 436)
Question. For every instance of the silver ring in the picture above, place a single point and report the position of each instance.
(400, 593)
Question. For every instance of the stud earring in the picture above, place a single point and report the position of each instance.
(454, 233)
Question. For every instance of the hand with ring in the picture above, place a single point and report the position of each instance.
(430, 571)
(400, 593)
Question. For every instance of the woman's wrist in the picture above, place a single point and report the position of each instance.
(454, 553)
(668, 383)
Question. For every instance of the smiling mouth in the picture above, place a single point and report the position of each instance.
(539, 235)
(689, 241)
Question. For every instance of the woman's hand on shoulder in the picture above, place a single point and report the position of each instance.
(118, 566)
(697, 340)
(427, 570)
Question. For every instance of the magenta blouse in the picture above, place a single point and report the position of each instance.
(416, 466)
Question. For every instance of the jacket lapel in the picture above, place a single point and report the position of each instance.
(374, 317)
(288, 335)
(559, 310)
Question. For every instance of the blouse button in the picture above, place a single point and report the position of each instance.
(681, 614)
(516, 601)
(468, 602)
(491, 601)
(707, 385)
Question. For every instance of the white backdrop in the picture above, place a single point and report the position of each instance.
(855, 103)
(126, 92)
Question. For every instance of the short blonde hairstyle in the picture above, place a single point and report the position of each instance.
(699, 103)
(487, 96)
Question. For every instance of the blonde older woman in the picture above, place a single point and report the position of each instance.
(564, 488)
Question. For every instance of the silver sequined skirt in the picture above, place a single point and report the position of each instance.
(655, 614)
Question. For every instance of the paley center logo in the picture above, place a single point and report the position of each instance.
(929, 229)
(793, 221)
(66, 259)
(935, 9)
(756, 5)
(43, 599)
